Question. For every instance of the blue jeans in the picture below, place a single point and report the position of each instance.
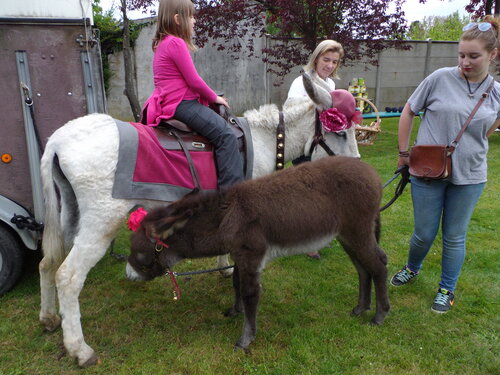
(209, 124)
(438, 201)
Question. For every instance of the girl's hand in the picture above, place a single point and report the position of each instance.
(403, 160)
(221, 100)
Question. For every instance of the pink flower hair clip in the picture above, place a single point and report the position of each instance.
(135, 219)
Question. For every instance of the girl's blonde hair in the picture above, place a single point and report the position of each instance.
(325, 46)
(488, 37)
(166, 25)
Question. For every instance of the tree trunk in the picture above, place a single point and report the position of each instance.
(129, 65)
(492, 7)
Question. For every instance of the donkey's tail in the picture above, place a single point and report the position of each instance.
(53, 234)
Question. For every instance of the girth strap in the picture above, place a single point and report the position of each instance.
(192, 168)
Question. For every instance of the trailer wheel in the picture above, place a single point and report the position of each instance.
(11, 260)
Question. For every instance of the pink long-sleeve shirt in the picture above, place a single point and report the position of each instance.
(175, 79)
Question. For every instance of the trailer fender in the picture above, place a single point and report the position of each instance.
(8, 209)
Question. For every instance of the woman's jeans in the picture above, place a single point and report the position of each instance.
(209, 124)
(453, 205)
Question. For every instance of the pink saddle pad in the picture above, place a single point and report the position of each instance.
(157, 165)
(146, 170)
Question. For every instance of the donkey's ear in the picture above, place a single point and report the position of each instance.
(165, 227)
(182, 219)
(186, 214)
(150, 230)
(317, 90)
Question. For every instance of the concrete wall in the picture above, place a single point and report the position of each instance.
(246, 84)
(399, 71)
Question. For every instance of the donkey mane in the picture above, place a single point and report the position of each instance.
(267, 116)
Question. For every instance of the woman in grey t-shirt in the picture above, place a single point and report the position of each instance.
(447, 97)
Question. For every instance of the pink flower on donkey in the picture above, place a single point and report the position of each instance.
(342, 115)
(135, 219)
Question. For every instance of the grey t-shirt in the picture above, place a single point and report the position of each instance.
(444, 98)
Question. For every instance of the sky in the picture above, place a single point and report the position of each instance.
(414, 11)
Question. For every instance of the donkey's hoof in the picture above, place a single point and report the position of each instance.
(379, 316)
(227, 273)
(237, 347)
(51, 323)
(231, 312)
(358, 310)
(376, 321)
(92, 361)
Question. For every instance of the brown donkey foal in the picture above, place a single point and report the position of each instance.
(293, 211)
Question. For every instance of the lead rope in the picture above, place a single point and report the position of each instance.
(405, 178)
(175, 286)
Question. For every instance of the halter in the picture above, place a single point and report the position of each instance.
(318, 139)
(159, 244)
(280, 143)
(159, 247)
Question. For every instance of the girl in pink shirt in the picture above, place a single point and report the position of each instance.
(182, 94)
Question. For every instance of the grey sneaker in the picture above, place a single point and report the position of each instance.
(443, 301)
(403, 276)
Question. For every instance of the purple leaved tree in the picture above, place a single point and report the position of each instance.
(480, 8)
(363, 27)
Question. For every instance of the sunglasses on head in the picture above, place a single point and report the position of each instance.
(482, 26)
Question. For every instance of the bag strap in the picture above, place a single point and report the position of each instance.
(469, 119)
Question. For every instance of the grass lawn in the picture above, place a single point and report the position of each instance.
(304, 322)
